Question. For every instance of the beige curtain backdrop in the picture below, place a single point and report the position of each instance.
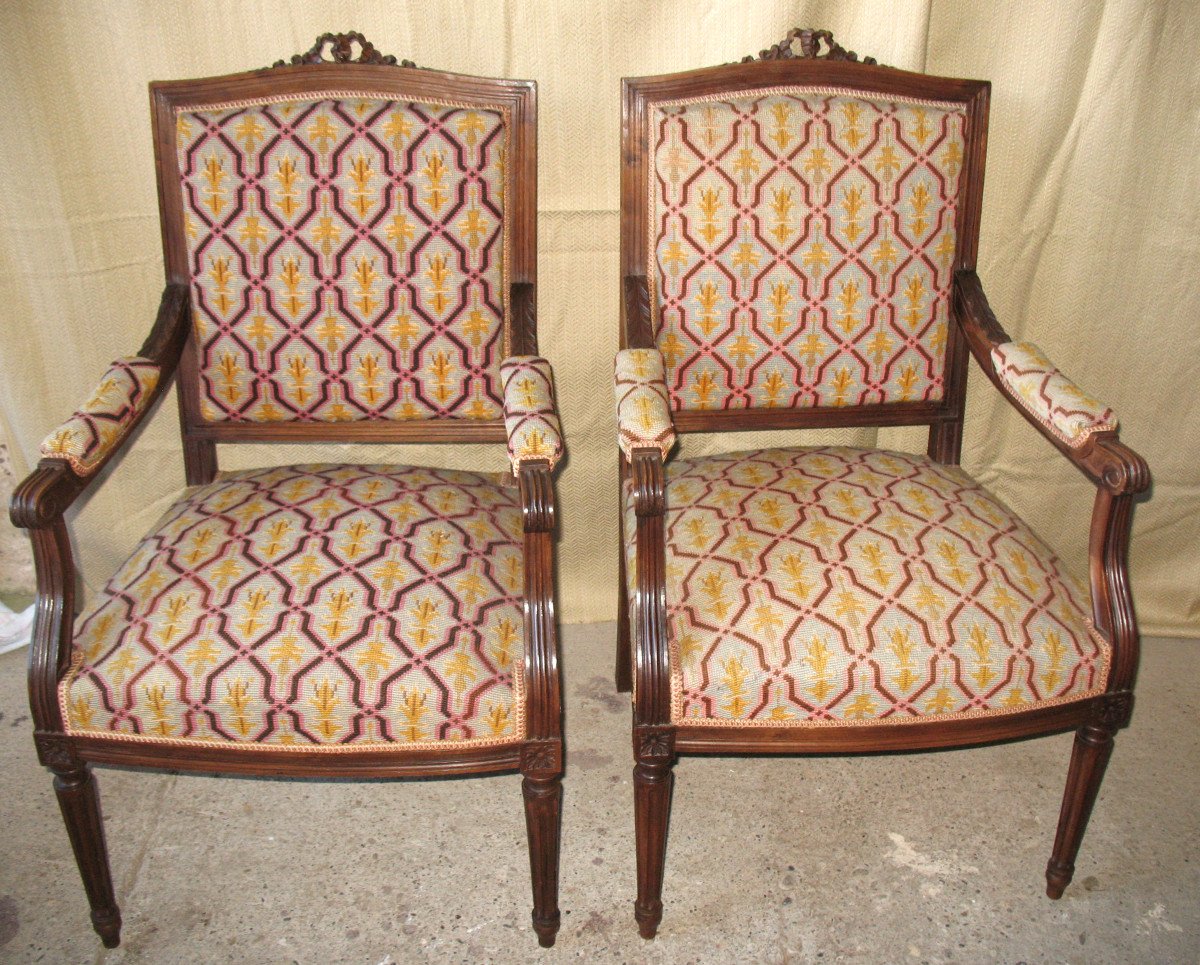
(1090, 240)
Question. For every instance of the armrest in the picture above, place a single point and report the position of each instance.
(1042, 389)
(96, 430)
(643, 406)
(1080, 427)
(530, 411)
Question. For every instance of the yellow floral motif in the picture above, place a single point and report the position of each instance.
(734, 682)
(875, 614)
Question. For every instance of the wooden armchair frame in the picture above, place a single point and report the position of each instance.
(642, 659)
(42, 499)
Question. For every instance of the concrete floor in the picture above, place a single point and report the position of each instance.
(918, 858)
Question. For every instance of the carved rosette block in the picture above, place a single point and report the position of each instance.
(341, 51)
(541, 758)
(810, 48)
(1113, 711)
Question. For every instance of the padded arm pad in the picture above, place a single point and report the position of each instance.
(643, 409)
(1067, 412)
(98, 426)
(530, 411)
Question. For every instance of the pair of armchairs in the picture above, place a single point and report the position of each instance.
(350, 256)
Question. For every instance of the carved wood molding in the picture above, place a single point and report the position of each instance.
(653, 744)
(341, 51)
(810, 48)
(55, 751)
(1113, 711)
(541, 758)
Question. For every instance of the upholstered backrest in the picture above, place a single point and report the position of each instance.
(347, 256)
(801, 246)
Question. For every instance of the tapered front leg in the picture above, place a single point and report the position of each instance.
(653, 779)
(542, 789)
(1089, 758)
(80, 803)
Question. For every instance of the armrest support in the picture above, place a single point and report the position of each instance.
(643, 406)
(542, 676)
(651, 662)
(530, 411)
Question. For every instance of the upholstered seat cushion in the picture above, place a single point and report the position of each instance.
(321, 606)
(847, 586)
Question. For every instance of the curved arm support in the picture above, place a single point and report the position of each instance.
(1108, 573)
(651, 663)
(541, 634)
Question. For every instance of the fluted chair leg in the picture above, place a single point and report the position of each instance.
(79, 800)
(652, 783)
(1089, 758)
(543, 821)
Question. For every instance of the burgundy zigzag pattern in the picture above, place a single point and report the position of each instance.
(323, 605)
(802, 246)
(347, 258)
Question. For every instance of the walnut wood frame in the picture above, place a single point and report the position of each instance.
(643, 661)
(41, 500)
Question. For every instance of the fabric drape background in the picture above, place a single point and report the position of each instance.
(1090, 244)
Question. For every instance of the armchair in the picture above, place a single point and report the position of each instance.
(798, 244)
(350, 256)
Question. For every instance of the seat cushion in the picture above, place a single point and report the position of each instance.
(849, 586)
(326, 606)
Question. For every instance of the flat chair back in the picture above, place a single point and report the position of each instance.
(799, 222)
(358, 241)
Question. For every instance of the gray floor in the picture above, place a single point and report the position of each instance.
(918, 858)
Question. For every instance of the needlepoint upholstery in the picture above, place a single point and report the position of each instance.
(95, 428)
(347, 257)
(321, 606)
(530, 411)
(848, 586)
(643, 405)
(1068, 412)
(801, 247)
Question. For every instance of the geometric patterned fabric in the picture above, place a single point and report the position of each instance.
(643, 408)
(530, 412)
(95, 428)
(1067, 412)
(347, 257)
(802, 245)
(840, 586)
(326, 607)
